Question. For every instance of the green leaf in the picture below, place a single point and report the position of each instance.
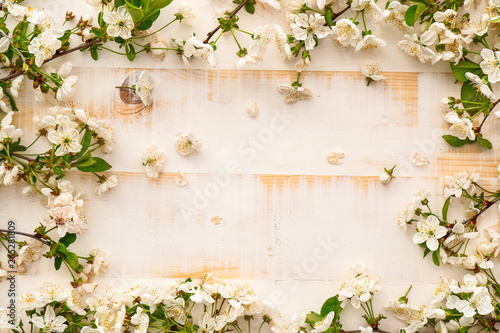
(57, 263)
(249, 8)
(470, 94)
(435, 256)
(329, 16)
(485, 143)
(68, 239)
(445, 208)
(99, 165)
(87, 138)
(332, 304)
(136, 12)
(454, 141)
(413, 13)
(158, 4)
(86, 160)
(313, 317)
(119, 3)
(12, 101)
(72, 260)
(426, 251)
(129, 49)
(463, 67)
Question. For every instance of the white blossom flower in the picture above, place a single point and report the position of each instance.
(417, 46)
(272, 3)
(66, 139)
(456, 183)
(144, 88)
(307, 27)
(369, 42)
(429, 232)
(175, 309)
(45, 45)
(109, 183)
(335, 157)
(480, 85)
(346, 33)
(323, 324)
(193, 48)
(395, 15)
(153, 160)
(65, 91)
(140, 321)
(462, 128)
(16, 86)
(186, 14)
(120, 23)
(372, 71)
(369, 8)
(491, 64)
(359, 290)
(294, 94)
(49, 322)
(479, 302)
(187, 144)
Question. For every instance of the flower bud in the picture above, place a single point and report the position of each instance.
(385, 178)
(87, 18)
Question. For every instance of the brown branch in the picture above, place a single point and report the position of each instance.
(57, 55)
(212, 33)
(22, 156)
(488, 205)
(34, 236)
(478, 129)
(336, 15)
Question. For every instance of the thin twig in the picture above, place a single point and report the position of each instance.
(478, 130)
(18, 51)
(57, 55)
(212, 33)
(22, 156)
(25, 234)
(336, 15)
(488, 205)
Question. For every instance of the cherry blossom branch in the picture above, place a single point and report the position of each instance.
(336, 15)
(57, 55)
(478, 130)
(488, 205)
(212, 33)
(37, 237)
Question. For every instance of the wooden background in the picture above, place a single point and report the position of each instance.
(262, 203)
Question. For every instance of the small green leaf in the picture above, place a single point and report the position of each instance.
(470, 94)
(68, 239)
(435, 256)
(413, 13)
(485, 143)
(93, 54)
(445, 209)
(454, 141)
(313, 317)
(332, 304)
(136, 12)
(130, 52)
(99, 165)
(57, 263)
(119, 3)
(72, 260)
(426, 251)
(249, 8)
(463, 67)
(86, 139)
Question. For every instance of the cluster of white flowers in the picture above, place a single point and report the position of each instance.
(470, 299)
(65, 208)
(359, 287)
(192, 48)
